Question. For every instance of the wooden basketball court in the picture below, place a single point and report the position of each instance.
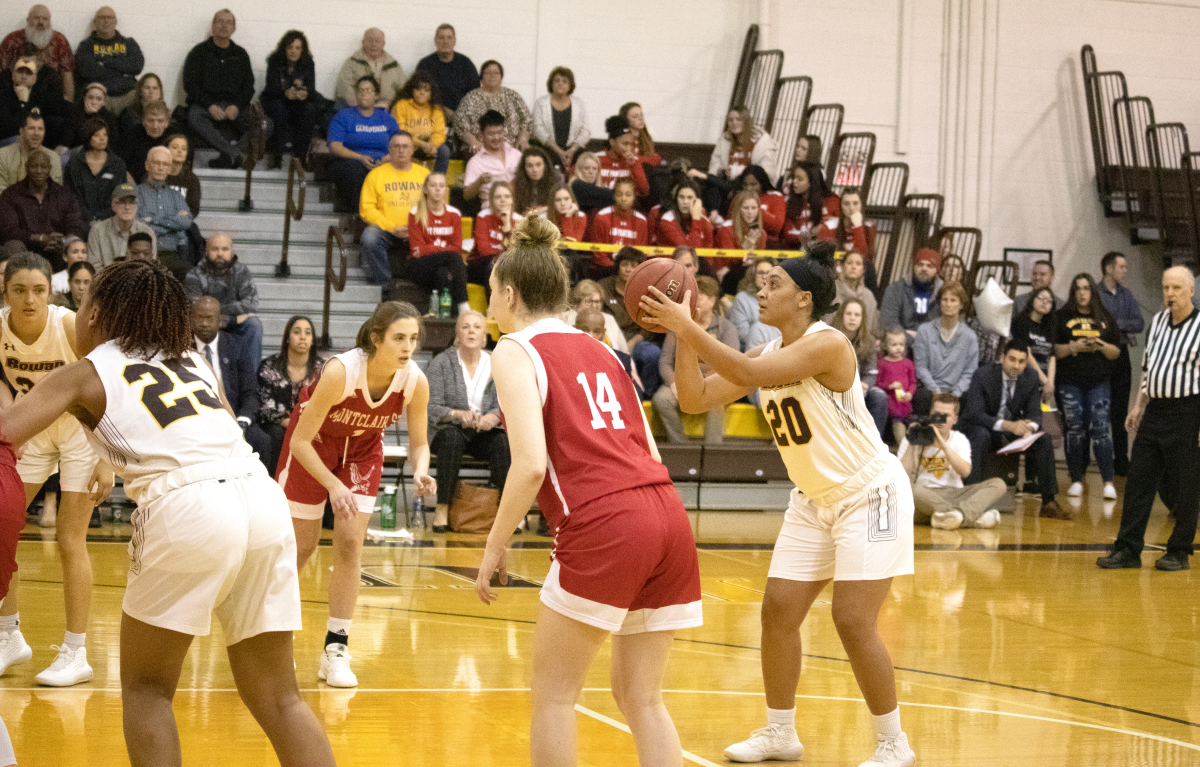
(1011, 648)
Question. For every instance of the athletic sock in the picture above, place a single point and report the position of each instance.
(10, 622)
(888, 725)
(782, 716)
(74, 641)
(337, 631)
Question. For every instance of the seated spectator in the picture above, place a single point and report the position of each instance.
(496, 161)
(74, 251)
(807, 151)
(108, 58)
(224, 354)
(389, 193)
(79, 280)
(167, 213)
(280, 379)
(24, 90)
(586, 185)
(644, 346)
(453, 73)
(493, 225)
(95, 107)
(535, 182)
(435, 237)
(908, 302)
(743, 312)
(851, 319)
(95, 172)
(14, 157)
(290, 98)
(754, 181)
(586, 297)
(897, 377)
(744, 230)
(46, 44)
(938, 492)
(946, 350)
(741, 144)
(560, 121)
(595, 324)
(852, 232)
(219, 81)
(666, 399)
(850, 284)
(492, 96)
(181, 178)
(40, 212)
(1033, 330)
(1041, 276)
(359, 137)
(685, 256)
(140, 247)
(566, 215)
(464, 413)
(952, 270)
(371, 60)
(618, 224)
(109, 237)
(809, 205)
(643, 146)
(418, 111)
(621, 159)
(220, 276)
(684, 223)
(135, 144)
(1004, 403)
(149, 89)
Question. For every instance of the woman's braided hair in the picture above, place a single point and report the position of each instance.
(142, 307)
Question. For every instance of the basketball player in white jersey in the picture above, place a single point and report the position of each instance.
(38, 338)
(211, 531)
(851, 515)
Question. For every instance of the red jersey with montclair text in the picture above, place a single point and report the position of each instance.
(357, 416)
(596, 440)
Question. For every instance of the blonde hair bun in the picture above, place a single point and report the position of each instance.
(536, 232)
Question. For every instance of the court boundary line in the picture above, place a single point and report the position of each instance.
(625, 729)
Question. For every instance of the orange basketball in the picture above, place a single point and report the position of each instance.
(666, 275)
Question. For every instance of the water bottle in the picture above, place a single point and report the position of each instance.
(434, 304)
(445, 305)
(419, 511)
(387, 510)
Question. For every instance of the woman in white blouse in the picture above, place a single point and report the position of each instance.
(464, 413)
(560, 120)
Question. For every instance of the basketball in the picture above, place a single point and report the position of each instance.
(665, 274)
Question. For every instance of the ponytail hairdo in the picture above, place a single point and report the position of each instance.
(815, 273)
(532, 266)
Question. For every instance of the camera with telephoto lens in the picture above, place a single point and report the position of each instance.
(920, 429)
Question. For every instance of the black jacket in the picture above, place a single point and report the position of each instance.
(981, 402)
(240, 383)
(213, 75)
(114, 63)
(46, 95)
(278, 79)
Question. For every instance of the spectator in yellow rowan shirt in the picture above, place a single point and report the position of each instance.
(388, 194)
(417, 111)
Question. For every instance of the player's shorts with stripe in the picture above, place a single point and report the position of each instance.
(62, 447)
(865, 535)
(626, 562)
(214, 537)
(357, 463)
(12, 515)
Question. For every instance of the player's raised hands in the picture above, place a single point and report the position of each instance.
(660, 310)
(494, 558)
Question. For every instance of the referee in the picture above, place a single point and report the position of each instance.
(1166, 419)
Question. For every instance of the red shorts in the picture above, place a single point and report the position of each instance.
(627, 563)
(12, 515)
(357, 462)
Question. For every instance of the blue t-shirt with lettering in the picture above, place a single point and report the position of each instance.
(365, 135)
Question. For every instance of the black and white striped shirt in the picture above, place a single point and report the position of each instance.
(1171, 365)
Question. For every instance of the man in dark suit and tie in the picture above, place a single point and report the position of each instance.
(222, 351)
(1004, 403)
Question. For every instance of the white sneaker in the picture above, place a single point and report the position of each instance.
(774, 742)
(69, 668)
(1110, 492)
(988, 519)
(947, 520)
(892, 752)
(335, 667)
(49, 515)
(1076, 489)
(13, 649)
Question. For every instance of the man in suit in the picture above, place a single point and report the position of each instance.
(223, 352)
(1002, 404)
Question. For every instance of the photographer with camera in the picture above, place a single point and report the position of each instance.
(1004, 403)
(939, 458)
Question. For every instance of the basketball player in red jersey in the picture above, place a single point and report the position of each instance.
(334, 449)
(624, 561)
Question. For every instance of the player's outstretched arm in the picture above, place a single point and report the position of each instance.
(74, 389)
(698, 394)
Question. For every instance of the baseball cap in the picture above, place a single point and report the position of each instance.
(123, 191)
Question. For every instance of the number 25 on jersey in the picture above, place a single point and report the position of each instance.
(605, 401)
(169, 391)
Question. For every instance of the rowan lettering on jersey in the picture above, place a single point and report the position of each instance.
(12, 363)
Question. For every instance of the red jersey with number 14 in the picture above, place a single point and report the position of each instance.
(596, 441)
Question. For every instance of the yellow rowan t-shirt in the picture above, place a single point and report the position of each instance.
(389, 194)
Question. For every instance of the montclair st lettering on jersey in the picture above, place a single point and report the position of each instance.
(363, 420)
(12, 363)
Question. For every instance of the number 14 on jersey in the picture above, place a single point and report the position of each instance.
(605, 401)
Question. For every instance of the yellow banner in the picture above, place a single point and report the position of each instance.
(653, 250)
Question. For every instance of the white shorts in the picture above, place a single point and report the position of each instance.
(364, 503)
(214, 537)
(62, 447)
(866, 536)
